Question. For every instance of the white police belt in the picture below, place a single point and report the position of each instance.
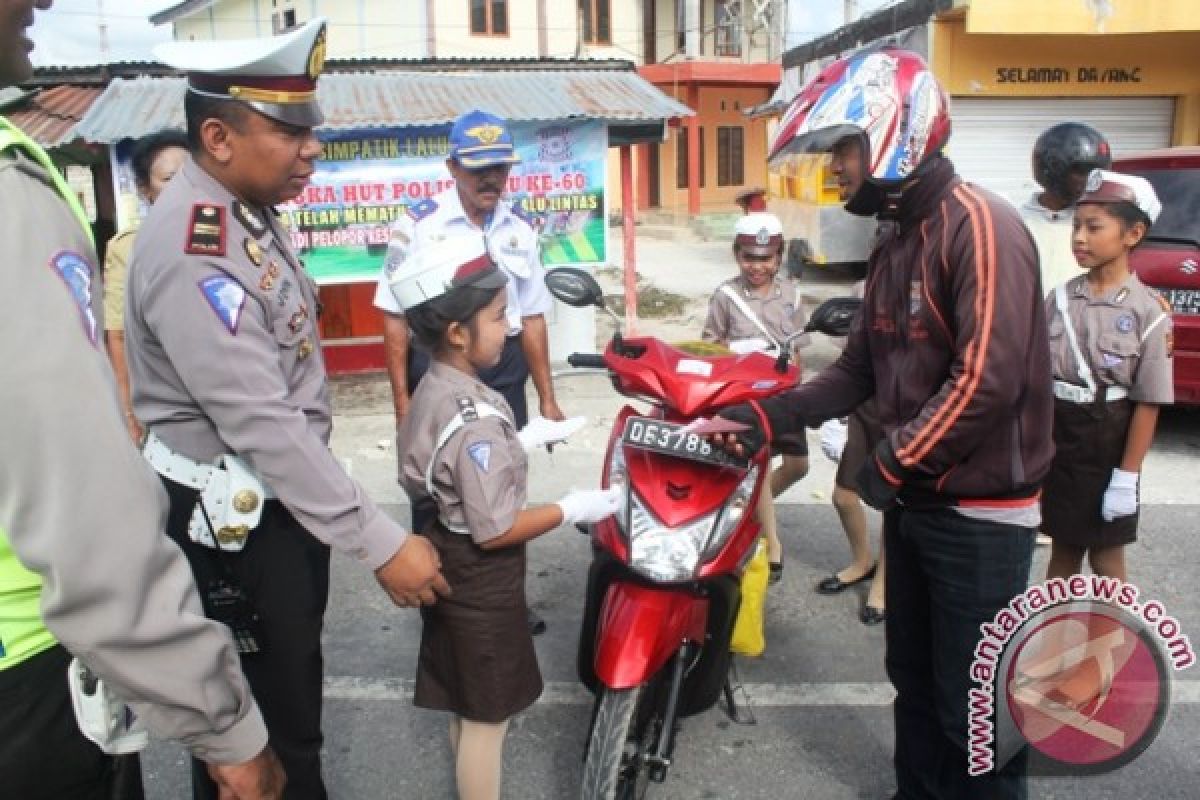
(101, 715)
(231, 495)
(1083, 395)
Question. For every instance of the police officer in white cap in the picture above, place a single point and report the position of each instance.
(229, 381)
(482, 153)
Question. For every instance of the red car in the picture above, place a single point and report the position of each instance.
(1169, 258)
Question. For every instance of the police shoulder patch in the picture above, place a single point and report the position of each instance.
(206, 230)
(226, 297)
(76, 273)
(421, 210)
(481, 454)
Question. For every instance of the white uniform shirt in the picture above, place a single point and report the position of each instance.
(1052, 234)
(510, 240)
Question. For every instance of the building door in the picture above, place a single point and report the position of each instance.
(993, 137)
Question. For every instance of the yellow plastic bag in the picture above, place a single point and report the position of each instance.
(749, 638)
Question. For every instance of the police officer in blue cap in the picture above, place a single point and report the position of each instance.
(481, 156)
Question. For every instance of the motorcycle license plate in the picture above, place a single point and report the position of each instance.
(671, 439)
(1183, 301)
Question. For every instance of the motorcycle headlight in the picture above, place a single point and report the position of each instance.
(664, 553)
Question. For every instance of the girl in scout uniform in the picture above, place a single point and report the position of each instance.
(460, 448)
(759, 310)
(1110, 342)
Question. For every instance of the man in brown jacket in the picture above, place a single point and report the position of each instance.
(951, 343)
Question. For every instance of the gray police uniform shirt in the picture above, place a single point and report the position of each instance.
(479, 475)
(511, 241)
(80, 505)
(221, 338)
(780, 311)
(1125, 336)
(1051, 231)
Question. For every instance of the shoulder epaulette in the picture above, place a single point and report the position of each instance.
(466, 407)
(206, 230)
(520, 213)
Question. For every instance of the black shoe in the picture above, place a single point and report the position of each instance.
(537, 625)
(833, 584)
(775, 572)
(872, 616)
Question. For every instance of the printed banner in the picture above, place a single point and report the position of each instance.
(366, 178)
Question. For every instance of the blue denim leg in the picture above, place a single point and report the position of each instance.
(946, 575)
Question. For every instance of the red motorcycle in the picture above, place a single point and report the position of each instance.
(663, 589)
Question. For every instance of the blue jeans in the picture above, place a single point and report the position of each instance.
(946, 575)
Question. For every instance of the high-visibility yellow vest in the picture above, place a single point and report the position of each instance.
(22, 631)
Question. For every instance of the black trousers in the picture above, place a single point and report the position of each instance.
(43, 755)
(285, 572)
(508, 378)
(946, 575)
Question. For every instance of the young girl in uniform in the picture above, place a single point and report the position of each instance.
(1110, 342)
(459, 446)
(759, 310)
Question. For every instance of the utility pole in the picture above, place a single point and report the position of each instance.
(102, 31)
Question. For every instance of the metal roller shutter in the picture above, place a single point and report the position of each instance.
(993, 137)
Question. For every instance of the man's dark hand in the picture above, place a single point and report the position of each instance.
(881, 477)
(743, 444)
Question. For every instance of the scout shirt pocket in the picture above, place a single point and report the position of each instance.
(1118, 359)
(513, 253)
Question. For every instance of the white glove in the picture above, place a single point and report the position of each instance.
(589, 505)
(541, 431)
(833, 439)
(1121, 496)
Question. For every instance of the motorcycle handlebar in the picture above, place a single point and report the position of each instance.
(587, 360)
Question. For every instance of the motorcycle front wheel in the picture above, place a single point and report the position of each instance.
(625, 731)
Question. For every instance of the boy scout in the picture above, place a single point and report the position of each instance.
(481, 155)
(230, 385)
(83, 565)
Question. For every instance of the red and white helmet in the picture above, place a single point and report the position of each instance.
(886, 95)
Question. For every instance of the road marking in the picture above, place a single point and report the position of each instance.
(762, 695)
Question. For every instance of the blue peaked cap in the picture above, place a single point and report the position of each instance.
(479, 139)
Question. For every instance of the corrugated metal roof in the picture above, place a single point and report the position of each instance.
(132, 108)
(50, 116)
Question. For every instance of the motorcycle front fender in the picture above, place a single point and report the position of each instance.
(640, 627)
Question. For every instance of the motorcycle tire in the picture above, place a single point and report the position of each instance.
(625, 728)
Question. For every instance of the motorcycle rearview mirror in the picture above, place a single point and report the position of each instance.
(834, 317)
(578, 289)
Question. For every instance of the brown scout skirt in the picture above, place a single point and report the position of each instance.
(1089, 441)
(477, 658)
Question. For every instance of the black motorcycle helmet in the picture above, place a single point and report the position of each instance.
(1066, 150)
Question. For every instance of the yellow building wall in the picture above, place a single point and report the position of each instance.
(1073, 65)
(1077, 16)
(719, 107)
(236, 19)
(455, 40)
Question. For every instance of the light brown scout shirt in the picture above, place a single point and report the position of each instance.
(780, 311)
(80, 505)
(221, 337)
(479, 474)
(116, 270)
(1125, 336)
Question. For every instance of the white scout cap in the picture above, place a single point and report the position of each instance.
(759, 234)
(1104, 186)
(275, 75)
(437, 268)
